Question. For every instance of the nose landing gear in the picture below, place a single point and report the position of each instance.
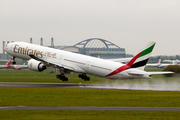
(13, 61)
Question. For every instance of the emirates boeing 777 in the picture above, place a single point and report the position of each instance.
(41, 57)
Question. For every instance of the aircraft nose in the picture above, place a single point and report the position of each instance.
(7, 47)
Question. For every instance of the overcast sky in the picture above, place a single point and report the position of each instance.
(128, 23)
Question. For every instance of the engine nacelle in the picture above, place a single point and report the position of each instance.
(36, 65)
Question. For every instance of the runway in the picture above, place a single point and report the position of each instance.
(91, 108)
(160, 87)
(44, 85)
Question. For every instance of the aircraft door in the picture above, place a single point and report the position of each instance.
(88, 64)
(61, 59)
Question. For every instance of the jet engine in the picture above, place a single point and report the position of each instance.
(36, 65)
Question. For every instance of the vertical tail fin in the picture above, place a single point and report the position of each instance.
(140, 60)
(8, 63)
(159, 61)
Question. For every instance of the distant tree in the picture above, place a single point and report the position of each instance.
(173, 68)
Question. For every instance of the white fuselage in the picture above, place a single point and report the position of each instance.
(80, 63)
(4, 66)
(18, 67)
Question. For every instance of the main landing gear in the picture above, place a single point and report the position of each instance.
(62, 77)
(84, 77)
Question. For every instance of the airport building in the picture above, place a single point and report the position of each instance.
(95, 47)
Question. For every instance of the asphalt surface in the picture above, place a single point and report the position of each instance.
(41, 85)
(91, 108)
(161, 87)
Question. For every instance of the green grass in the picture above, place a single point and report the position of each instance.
(87, 115)
(41, 77)
(12, 96)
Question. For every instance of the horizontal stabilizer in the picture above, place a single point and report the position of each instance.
(156, 73)
(135, 73)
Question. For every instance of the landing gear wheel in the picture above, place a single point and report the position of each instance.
(57, 76)
(65, 79)
(87, 78)
(80, 76)
(62, 77)
(13, 62)
(84, 77)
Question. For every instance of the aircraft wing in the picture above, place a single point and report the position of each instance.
(165, 72)
(49, 63)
